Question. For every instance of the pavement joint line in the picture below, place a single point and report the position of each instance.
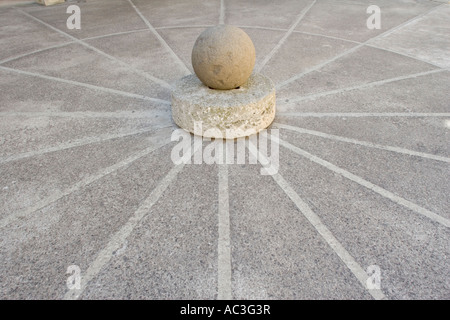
(286, 35)
(405, 55)
(383, 192)
(81, 184)
(351, 50)
(184, 26)
(117, 240)
(361, 114)
(299, 31)
(326, 36)
(154, 79)
(161, 40)
(87, 85)
(35, 51)
(68, 43)
(224, 242)
(363, 86)
(323, 231)
(264, 28)
(84, 114)
(406, 23)
(75, 143)
(362, 143)
(115, 34)
(222, 12)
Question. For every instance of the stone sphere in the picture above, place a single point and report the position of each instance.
(223, 57)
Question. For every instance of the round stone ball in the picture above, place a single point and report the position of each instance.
(223, 57)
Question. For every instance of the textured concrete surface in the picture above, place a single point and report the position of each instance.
(87, 180)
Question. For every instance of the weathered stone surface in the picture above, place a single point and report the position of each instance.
(223, 57)
(224, 113)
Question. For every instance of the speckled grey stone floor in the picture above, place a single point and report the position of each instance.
(358, 208)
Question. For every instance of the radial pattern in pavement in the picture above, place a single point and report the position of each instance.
(358, 208)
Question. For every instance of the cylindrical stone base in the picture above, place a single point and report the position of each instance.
(225, 114)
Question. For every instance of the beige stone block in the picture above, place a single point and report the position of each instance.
(224, 113)
(49, 2)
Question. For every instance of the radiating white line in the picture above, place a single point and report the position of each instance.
(224, 243)
(70, 42)
(405, 55)
(74, 144)
(406, 23)
(184, 26)
(363, 143)
(298, 31)
(86, 85)
(115, 34)
(90, 114)
(353, 49)
(325, 36)
(287, 34)
(361, 114)
(159, 141)
(383, 192)
(161, 40)
(222, 12)
(263, 28)
(36, 51)
(117, 239)
(362, 86)
(83, 43)
(326, 234)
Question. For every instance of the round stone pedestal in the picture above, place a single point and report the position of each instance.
(226, 114)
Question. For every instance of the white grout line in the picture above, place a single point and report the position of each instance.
(89, 86)
(36, 51)
(90, 114)
(164, 140)
(118, 239)
(200, 26)
(360, 114)
(326, 36)
(224, 243)
(383, 192)
(69, 42)
(287, 34)
(161, 40)
(362, 86)
(316, 67)
(406, 23)
(222, 12)
(405, 55)
(326, 234)
(161, 82)
(264, 28)
(351, 50)
(74, 144)
(115, 34)
(362, 143)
